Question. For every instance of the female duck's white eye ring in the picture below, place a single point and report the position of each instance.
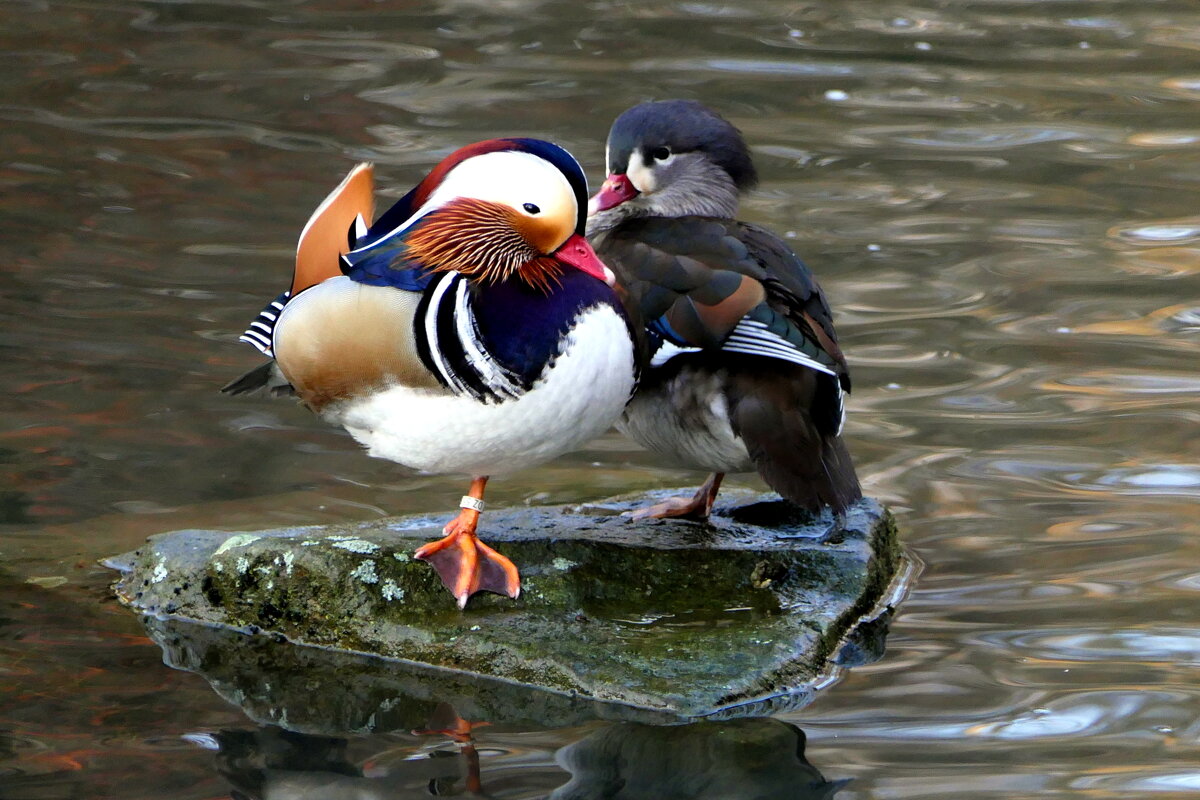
(531, 208)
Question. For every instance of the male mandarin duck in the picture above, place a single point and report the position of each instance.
(742, 366)
(471, 329)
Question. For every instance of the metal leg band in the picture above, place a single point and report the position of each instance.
(473, 503)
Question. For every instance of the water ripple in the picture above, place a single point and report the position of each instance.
(1172, 479)
(358, 49)
(1158, 781)
(1175, 232)
(1083, 713)
(26, 59)
(1176, 646)
(989, 137)
(917, 99)
(166, 128)
(1053, 469)
(794, 69)
(1115, 384)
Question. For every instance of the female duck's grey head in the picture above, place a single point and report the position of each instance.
(671, 158)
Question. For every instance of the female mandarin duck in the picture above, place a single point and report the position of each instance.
(742, 363)
(471, 329)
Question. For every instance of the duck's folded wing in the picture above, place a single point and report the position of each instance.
(704, 284)
(730, 290)
(793, 287)
(333, 226)
(262, 329)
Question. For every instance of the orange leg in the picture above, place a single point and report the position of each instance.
(445, 721)
(465, 564)
(698, 507)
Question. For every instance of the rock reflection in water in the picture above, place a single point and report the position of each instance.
(754, 758)
(311, 690)
(337, 726)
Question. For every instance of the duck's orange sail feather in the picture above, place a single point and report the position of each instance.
(325, 237)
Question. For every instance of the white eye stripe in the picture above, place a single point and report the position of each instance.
(509, 177)
(639, 174)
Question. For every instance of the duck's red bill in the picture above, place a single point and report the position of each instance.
(614, 191)
(579, 254)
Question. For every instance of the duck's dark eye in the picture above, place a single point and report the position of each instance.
(531, 208)
(660, 154)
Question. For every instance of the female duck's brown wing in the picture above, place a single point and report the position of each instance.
(793, 287)
(738, 295)
(721, 285)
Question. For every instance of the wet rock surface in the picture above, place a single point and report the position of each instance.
(675, 618)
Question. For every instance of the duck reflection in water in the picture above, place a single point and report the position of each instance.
(742, 759)
(271, 763)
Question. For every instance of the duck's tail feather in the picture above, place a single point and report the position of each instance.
(794, 453)
(266, 377)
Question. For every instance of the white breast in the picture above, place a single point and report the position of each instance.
(578, 397)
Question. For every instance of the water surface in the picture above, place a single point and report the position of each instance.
(999, 197)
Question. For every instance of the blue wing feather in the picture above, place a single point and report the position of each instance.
(384, 263)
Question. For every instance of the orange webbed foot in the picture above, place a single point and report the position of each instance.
(445, 721)
(467, 565)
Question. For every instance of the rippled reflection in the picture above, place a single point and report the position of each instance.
(1000, 199)
(737, 760)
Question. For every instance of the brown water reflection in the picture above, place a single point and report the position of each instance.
(1000, 197)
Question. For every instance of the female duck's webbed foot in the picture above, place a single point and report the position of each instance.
(698, 507)
(465, 564)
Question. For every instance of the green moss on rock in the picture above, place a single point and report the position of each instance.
(665, 615)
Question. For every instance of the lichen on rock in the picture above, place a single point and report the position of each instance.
(665, 615)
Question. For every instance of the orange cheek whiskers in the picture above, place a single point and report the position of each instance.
(542, 273)
(475, 237)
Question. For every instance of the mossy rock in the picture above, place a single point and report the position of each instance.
(673, 617)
